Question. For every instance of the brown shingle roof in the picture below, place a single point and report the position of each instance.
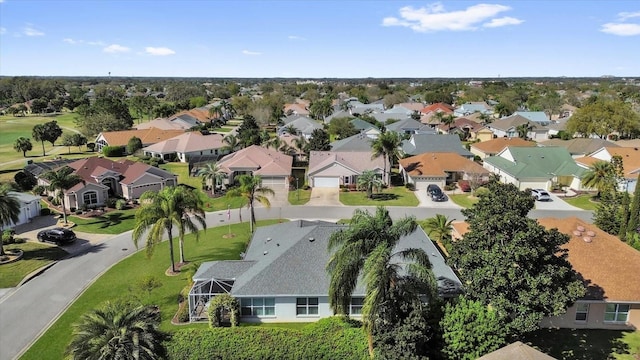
(201, 114)
(148, 136)
(608, 266)
(188, 142)
(438, 164)
(494, 146)
(262, 161)
(630, 160)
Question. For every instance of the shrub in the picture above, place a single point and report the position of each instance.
(91, 146)
(45, 211)
(72, 209)
(450, 187)
(306, 187)
(183, 312)
(78, 212)
(410, 186)
(111, 202)
(84, 207)
(4, 258)
(7, 237)
(19, 240)
(49, 198)
(113, 151)
(481, 191)
(464, 185)
(121, 204)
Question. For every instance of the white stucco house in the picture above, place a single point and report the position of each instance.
(29, 208)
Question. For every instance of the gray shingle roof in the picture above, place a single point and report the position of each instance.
(358, 142)
(423, 143)
(281, 260)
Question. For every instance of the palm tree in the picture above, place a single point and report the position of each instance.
(599, 176)
(439, 228)
(369, 181)
(118, 331)
(252, 190)
(523, 130)
(9, 209)
(485, 118)
(388, 145)
(161, 211)
(367, 248)
(23, 144)
(59, 181)
(291, 129)
(232, 143)
(215, 112)
(301, 144)
(449, 120)
(212, 173)
(229, 111)
(275, 143)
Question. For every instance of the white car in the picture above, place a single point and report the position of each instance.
(541, 195)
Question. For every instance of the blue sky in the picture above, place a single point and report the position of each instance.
(310, 39)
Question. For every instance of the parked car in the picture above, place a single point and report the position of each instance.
(59, 236)
(541, 195)
(436, 193)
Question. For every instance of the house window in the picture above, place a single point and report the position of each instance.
(90, 198)
(616, 313)
(258, 307)
(582, 312)
(355, 308)
(307, 306)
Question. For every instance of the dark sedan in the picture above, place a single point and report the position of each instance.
(59, 236)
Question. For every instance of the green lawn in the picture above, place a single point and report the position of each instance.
(182, 170)
(223, 129)
(579, 344)
(112, 222)
(464, 200)
(121, 281)
(36, 255)
(299, 197)
(582, 201)
(396, 196)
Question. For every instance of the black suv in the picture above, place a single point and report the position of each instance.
(436, 193)
(59, 236)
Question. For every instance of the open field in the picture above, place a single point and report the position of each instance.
(123, 278)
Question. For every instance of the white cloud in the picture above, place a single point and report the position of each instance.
(96, 43)
(159, 51)
(434, 17)
(70, 41)
(115, 48)
(503, 21)
(247, 52)
(3, 30)
(621, 29)
(628, 15)
(295, 37)
(30, 31)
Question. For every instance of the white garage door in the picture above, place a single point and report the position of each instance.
(273, 181)
(326, 182)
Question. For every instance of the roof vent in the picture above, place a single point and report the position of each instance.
(268, 239)
(312, 239)
(265, 253)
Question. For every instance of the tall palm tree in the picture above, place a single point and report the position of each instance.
(23, 144)
(118, 331)
(291, 129)
(369, 181)
(388, 145)
(161, 211)
(523, 130)
(9, 209)
(301, 144)
(212, 173)
(232, 143)
(449, 120)
(215, 112)
(599, 176)
(439, 228)
(367, 248)
(59, 181)
(252, 190)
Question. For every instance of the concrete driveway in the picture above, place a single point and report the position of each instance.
(425, 201)
(324, 197)
(556, 203)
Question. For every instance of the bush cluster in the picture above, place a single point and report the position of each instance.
(410, 186)
(330, 338)
(113, 151)
(45, 211)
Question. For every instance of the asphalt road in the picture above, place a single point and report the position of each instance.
(26, 312)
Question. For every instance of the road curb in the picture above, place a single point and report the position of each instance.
(36, 273)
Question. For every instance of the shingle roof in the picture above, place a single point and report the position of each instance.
(358, 142)
(188, 142)
(290, 259)
(303, 124)
(462, 123)
(439, 164)
(536, 162)
(535, 116)
(494, 146)
(127, 171)
(36, 169)
(384, 117)
(362, 125)
(580, 145)
(442, 107)
(199, 114)
(404, 124)
(423, 143)
(358, 161)
(516, 351)
(509, 122)
(630, 160)
(264, 161)
(148, 136)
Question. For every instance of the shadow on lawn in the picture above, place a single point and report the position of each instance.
(111, 219)
(578, 344)
(48, 253)
(384, 197)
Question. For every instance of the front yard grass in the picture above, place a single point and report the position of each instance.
(583, 344)
(299, 197)
(584, 201)
(36, 255)
(465, 200)
(121, 281)
(395, 196)
(112, 222)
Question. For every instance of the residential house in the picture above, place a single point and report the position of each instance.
(434, 143)
(609, 268)
(492, 147)
(272, 166)
(409, 106)
(188, 147)
(428, 113)
(166, 124)
(579, 147)
(441, 169)
(566, 111)
(472, 107)
(538, 117)
(338, 114)
(364, 127)
(383, 118)
(121, 138)
(336, 168)
(282, 275)
(304, 125)
(408, 126)
(508, 127)
(296, 109)
(38, 168)
(356, 107)
(103, 178)
(467, 129)
(630, 163)
(290, 141)
(357, 142)
(536, 167)
(516, 351)
(29, 208)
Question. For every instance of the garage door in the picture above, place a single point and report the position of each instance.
(326, 182)
(270, 181)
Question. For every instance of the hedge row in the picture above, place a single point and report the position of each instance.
(330, 338)
(113, 151)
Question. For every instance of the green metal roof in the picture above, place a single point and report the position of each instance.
(537, 163)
